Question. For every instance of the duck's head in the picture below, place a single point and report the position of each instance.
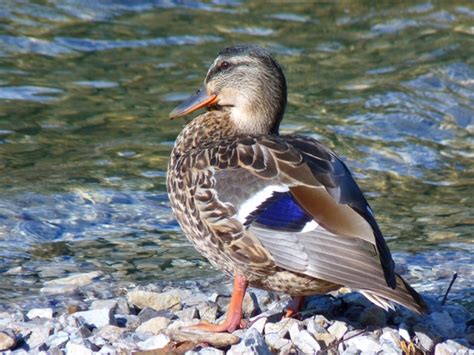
(247, 84)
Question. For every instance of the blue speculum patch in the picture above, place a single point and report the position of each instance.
(282, 212)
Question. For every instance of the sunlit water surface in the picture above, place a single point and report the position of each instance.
(86, 87)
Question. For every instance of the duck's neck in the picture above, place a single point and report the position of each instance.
(209, 127)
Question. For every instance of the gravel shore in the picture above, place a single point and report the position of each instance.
(150, 319)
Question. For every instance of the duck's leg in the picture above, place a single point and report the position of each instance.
(234, 313)
(295, 306)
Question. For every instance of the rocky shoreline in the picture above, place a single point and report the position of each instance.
(150, 319)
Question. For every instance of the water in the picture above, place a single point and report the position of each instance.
(86, 87)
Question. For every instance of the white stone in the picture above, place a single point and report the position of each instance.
(58, 339)
(40, 313)
(154, 325)
(38, 336)
(364, 343)
(77, 349)
(104, 304)
(404, 334)
(259, 324)
(107, 349)
(154, 342)
(158, 301)
(306, 343)
(338, 329)
(205, 351)
(451, 347)
(96, 317)
(252, 344)
(295, 331)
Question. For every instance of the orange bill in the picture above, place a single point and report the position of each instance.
(199, 100)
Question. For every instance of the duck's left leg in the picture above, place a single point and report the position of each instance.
(234, 312)
(295, 306)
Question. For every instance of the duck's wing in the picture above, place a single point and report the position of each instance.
(302, 203)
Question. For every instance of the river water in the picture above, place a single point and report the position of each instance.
(86, 87)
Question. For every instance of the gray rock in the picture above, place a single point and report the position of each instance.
(373, 316)
(40, 313)
(58, 339)
(391, 336)
(38, 336)
(110, 332)
(96, 318)
(154, 342)
(315, 328)
(188, 313)
(249, 305)
(154, 325)
(149, 313)
(252, 343)
(208, 312)
(77, 349)
(294, 331)
(107, 349)
(450, 347)
(276, 343)
(259, 324)
(305, 342)
(281, 328)
(217, 340)
(105, 304)
(205, 351)
(7, 340)
(364, 343)
(338, 329)
(158, 301)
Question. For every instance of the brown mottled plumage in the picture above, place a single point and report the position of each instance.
(278, 212)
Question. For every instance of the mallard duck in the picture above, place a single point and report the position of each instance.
(276, 212)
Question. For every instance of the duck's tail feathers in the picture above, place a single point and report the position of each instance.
(403, 294)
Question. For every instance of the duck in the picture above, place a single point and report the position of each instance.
(279, 212)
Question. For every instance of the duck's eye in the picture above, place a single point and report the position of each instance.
(224, 65)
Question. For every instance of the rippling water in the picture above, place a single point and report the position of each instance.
(86, 87)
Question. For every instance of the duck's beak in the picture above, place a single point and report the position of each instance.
(200, 99)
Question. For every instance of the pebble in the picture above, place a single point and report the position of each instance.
(40, 313)
(217, 340)
(7, 341)
(338, 329)
(77, 349)
(154, 325)
(157, 301)
(152, 317)
(96, 318)
(259, 324)
(154, 342)
(252, 343)
(205, 351)
(306, 343)
(38, 336)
